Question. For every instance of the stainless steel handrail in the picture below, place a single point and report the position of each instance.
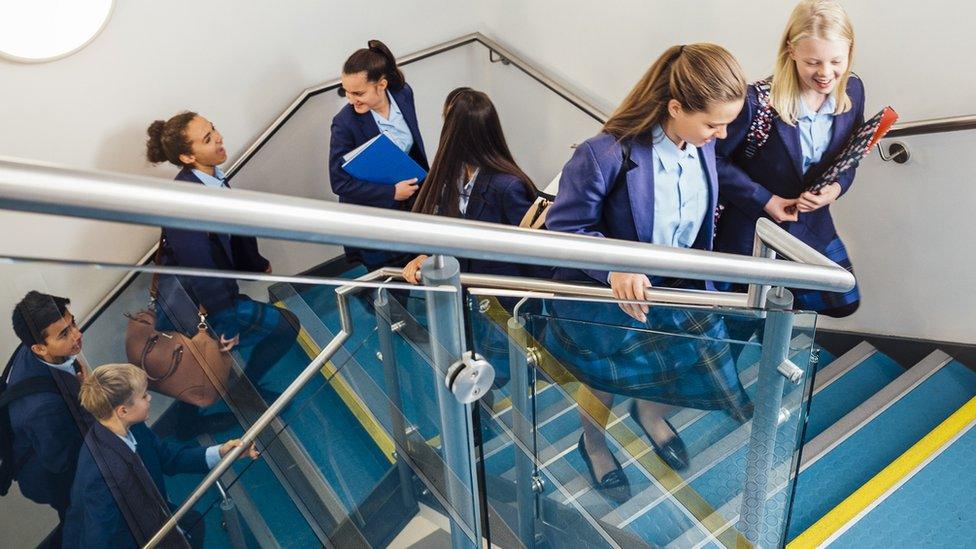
(44, 188)
(933, 125)
(550, 83)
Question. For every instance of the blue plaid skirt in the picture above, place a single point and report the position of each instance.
(813, 300)
(679, 357)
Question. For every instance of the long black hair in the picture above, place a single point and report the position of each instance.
(471, 136)
(377, 62)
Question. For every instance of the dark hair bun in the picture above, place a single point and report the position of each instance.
(154, 145)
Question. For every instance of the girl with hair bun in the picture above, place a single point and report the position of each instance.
(794, 125)
(648, 176)
(192, 142)
(380, 100)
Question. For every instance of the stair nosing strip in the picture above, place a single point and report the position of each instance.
(894, 488)
(870, 409)
(844, 364)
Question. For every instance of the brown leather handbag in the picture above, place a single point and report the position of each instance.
(189, 369)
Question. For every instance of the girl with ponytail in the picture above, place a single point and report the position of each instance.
(648, 176)
(380, 100)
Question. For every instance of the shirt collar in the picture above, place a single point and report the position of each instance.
(394, 111)
(129, 440)
(668, 154)
(67, 366)
(215, 180)
(828, 107)
(470, 182)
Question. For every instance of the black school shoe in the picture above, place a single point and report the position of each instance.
(674, 452)
(614, 484)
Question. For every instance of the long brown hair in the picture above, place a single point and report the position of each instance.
(696, 75)
(471, 136)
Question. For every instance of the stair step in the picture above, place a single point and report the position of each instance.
(931, 505)
(863, 442)
(851, 386)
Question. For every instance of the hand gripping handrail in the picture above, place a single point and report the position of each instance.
(49, 189)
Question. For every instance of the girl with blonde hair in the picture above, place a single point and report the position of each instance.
(793, 126)
(648, 176)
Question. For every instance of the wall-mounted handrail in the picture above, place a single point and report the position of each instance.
(933, 125)
(44, 188)
(539, 76)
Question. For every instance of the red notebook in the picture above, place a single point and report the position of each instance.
(866, 136)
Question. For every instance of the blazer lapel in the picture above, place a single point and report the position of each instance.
(640, 189)
(409, 115)
(367, 126)
(476, 202)
(791, 139)
(839, 134)
(707, 231)
(224, 239)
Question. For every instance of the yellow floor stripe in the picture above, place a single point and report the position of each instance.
(349, 397)
(890, 476)
(631, 442)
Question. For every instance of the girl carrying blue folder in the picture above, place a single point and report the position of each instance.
(791, 130)
(380, 100)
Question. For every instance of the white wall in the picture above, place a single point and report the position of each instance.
(908, 227)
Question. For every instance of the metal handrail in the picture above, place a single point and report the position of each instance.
(473, 38)
(933, 125)
(44, 188)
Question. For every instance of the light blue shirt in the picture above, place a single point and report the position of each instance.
(215, 180)
(68, 366)
(680, 192)
(815, 128)
(465, 195)
(212, 456)
(395, 127)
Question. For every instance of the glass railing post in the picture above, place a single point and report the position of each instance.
(768, 401)
(384, 331)
(522, 429)
(446, 323)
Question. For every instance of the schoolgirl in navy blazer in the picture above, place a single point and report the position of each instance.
(373, 84)
(780, 145)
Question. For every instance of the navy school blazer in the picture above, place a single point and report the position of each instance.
(186, 248)
(117, 490)
(586, 205)
(498, 198)
(47, 429)
(350, 130)
(747, 184)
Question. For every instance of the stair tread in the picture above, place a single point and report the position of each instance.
(855, 460)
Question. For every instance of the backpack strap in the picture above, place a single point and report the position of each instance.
(762, 121)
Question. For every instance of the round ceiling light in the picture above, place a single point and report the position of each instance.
(34, 31)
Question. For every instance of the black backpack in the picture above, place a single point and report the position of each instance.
(8, 394)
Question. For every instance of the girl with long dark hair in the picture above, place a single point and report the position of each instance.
(474, 176)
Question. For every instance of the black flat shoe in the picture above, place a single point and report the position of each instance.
(614, 485)
(673, 452)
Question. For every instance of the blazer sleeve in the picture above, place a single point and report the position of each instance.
(846, 178)
(735, 185)
(516, 200)
(578, 207)
(46, 428)
(345, 185)
(178, 458)
(103, 522)
(193, 249)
